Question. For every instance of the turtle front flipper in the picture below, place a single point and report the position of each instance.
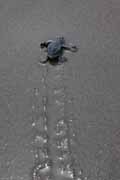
(71, 48)
(74, 48)
(43, 45)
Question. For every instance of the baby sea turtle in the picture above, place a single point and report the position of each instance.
(55, 49)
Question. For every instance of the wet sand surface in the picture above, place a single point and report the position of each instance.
(88, 84)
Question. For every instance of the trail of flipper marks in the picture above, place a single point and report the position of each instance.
(56, 160)
(42, 155)
(64, 133)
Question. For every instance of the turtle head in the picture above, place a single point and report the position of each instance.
(61, 39)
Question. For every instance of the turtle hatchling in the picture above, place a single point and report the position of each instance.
(55, 49)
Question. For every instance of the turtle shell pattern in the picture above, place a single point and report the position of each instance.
(55, 49)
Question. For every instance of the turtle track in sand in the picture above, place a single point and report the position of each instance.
(55, 139)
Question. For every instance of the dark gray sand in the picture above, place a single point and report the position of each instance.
(90, 79)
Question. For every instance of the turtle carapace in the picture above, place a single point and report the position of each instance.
(55, 49)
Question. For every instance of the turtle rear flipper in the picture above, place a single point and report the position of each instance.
(44, 62)
(62, 59)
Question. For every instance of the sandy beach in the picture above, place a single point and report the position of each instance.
(86, 88)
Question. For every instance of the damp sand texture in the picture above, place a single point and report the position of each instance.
(86, 89)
